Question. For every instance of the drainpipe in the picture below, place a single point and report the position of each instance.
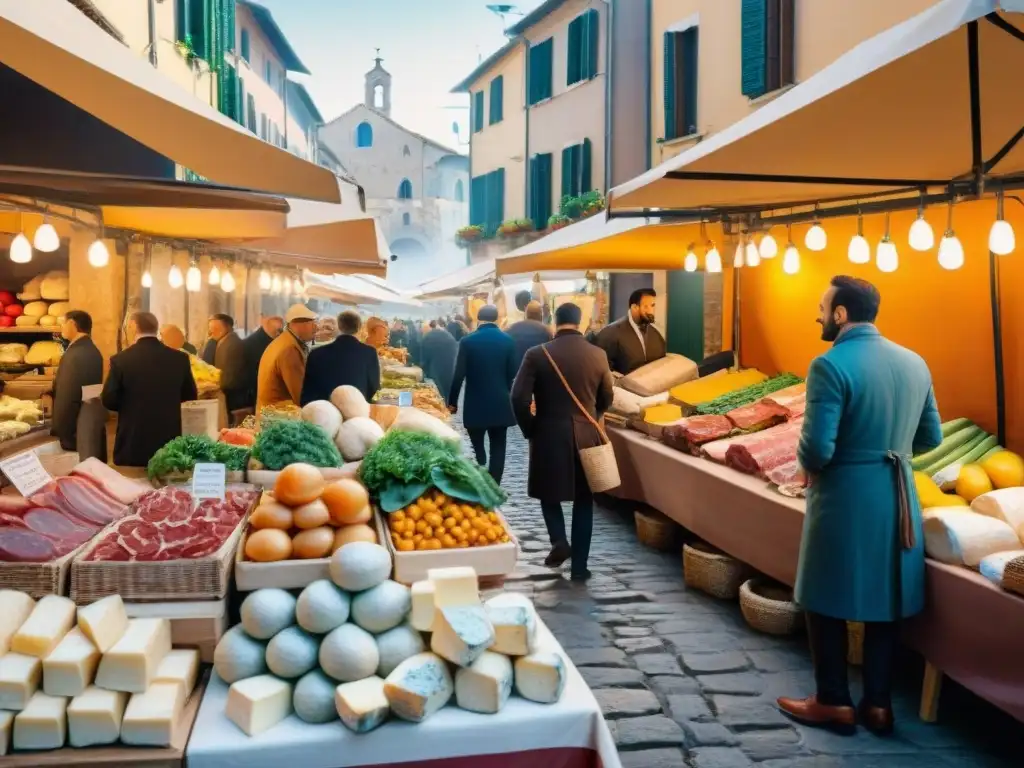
(608, 69)
(526, 150)
(152, 32)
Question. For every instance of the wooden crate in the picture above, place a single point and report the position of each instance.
(284, 574)
(194, 624)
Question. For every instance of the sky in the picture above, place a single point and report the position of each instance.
(428, 46)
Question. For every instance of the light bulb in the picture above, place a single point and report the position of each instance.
(886, 257)
(214, 277)
(147, 279)
(753, 257)
(227, 281)
(297, 286)
(860, 250)
(21, 249)
(193, 279)
(275, 284)
(768, 249)
(690, 262)
(791, 260)
(921, 236)
(264, 280)
(174, 278)
(99, 256)
(951, 251)
(737, 259)
(1001, 240)
(46, 238)
(816, 239)
(713, 261)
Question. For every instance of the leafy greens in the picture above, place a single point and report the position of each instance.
(289, 441)
(182, 454)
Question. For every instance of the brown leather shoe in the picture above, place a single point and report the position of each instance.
(809, 712)
(559, 553)
(878, 720)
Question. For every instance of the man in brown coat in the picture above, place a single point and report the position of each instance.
(283, 365)
(559, 431)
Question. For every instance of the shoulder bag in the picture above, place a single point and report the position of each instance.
(599, 465)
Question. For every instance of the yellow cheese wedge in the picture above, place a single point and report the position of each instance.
(663, 414)
(19, 679)
(150, 717)
(131, 664)
(454, 586)
(43, 724)
(6, 726)
(51, 619)
(104, 622)
(179, 666)
(15, 608)
(94, 717)
(70, 667)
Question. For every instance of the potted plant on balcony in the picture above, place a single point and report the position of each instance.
(570, 206)
(515, 227)
(466, 236)
(591, 202)
(558, 221)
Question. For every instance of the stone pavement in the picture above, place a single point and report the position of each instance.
(683, 681)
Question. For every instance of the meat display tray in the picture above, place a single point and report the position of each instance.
(39, 579)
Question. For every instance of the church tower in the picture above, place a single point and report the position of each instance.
(378, 87)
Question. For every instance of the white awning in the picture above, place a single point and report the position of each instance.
(458, 283)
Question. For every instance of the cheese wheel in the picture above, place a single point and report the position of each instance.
(36, 309)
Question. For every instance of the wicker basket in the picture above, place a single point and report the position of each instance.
(854, 643)
(712, 571)
(768, 607)
(1013, 576)
(655, 530)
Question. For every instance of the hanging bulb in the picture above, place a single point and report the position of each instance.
(951, 251)
(859, 250)
(193, 279)
(737, 259)
(264, 280)
(174, 278)
(21, 249)
(275, 284)
(922, 238)
(297, 286)
(753, 257)
(1001, 240)
(227, 281)
(886, 257)
(816, 239)
(46, 239)
(791, 260)
(768, 249)
(99, 256)
(214, 277)
(147, 279)
(713, 260)
(690, 262)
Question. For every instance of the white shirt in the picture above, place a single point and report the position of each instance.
(639, 333)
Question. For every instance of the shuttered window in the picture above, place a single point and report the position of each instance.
(229, 85)
(250, 109)
(487, 200)
(478, 111)
(245, 46)
(583, 40)
(200, 15)
(767, 28)
(681, 79)
(539, 74)
(576, 169)
(497, 96)
(540, 190)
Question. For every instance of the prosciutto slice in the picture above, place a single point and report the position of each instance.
(768, 450)
(692, 432)
(717, 450)
(113, 483)
(757, 416)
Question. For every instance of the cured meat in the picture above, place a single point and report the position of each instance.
(24, 546)
(757, 416)
(770, 449)
(14, 505)
(116, 485)
(787, 474)
(89, 501)
(692, 432)
(53, 525)
(716, 451)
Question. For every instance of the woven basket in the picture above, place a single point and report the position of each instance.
(769, 607)
(600, 468)
(1013, 576)
(714, 572)
(854, 643)
(655, 530)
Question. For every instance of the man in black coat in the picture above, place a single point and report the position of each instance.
(559, 430)
(530, 332)
(487, 363)
(438, 350)
(633, 341)
(229, 359)
(146, 386)
(253, 347)
(81, 366)
(346, 360)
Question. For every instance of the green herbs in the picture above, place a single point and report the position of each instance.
(288, 442)
(722, 405)
(181, 454)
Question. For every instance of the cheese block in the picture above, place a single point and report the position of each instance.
(258, 703)
(540, 677)
(454, 586)
(515, 629)
(150, 717)
(423, 605)
(104, 622)
(419, 687)
(43, 724)
(6, 726)
(94, 717)
(132, 663)
(51, 619)
(179, 666)
(663, 414)
(70, 667)
(362, 705)
(461, 634)
(15, 608)
(19, 679)
(485, 685)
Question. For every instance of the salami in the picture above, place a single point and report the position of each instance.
(24, 546)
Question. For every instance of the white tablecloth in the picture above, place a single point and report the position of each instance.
(575, 721)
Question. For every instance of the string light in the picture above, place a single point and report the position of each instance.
(297, 286)
(21, 249)
(886, 257)
(951, 251)
(214, 276)
(753, 256)
(737, 258)
(791, 258)
(859, 251)
(265, 281)
(193, 278)
(816, 239)
(1001, 240)
(227, 281)
(98, 254)
(922, 238)
(768, 249)
(174, 277)
(46, 239)
(690, 263)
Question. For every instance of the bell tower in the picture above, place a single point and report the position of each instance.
(378, 87)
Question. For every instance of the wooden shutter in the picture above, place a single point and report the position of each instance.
(690, 65)
(226, 16)
(478, 200)
(574, 61)
(669, 86)
(199, 27)
(478, 111)
(540, 71)
(499, 194)
(241, 99)
(229, 92)
(181, 20)
(250, 104)
(753, 50)
(787, 65)
(567, 156)
(585, 168)
(544, 188)
(591, 43)
(497, 107)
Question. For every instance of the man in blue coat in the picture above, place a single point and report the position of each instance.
(438, 350)
(487, 363)
(870, 406)
(346, 360)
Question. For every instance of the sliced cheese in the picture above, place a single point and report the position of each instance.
(362, 705)
(19, 679)
(515, 629)
(71, 666)
(15, 608)
(94, 717)
(454, 586)
(540, 677)
(179, 666)
(461, 634)
(51, 619)
(131, 664)
(6, 726)
(485, 685)
(423, 605)
(150, 717)
(43, 724)
(258, 703)
(104, 622)
(418, 687)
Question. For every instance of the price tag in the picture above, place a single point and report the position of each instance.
(208, 481)
(26, 472)
(405, 399)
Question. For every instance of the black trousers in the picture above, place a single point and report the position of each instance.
(829, 648)
(582, 527)
(498, 438)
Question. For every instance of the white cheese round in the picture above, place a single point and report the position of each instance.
(292, 653)
(383, 607)
(266, 612)
(322, 607)
(349, 653)
(313, 698)
(396, 645)
(360, 565)
(239, 656)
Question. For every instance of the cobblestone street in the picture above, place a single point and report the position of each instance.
(684, 682)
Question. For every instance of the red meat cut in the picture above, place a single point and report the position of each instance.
(717, 450)
(113, 483)
(24, 546)
(693, 431)
(53, 525)
(757, 416)
(766, 450)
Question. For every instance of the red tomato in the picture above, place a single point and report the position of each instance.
(6, 321)
(6, 297)
(14, 310)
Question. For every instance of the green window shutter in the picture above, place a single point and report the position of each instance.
(478, 200)
(532, 189)
(499, 193)
(226, 21)
(591, 43)
(567, 155)
(241, 100)
(497, 107)
(229, 92)
(584, 171)
(540, 71)
(199, 27)
(549, 59)
(574, 61)
(245, 46)
(754, 47)
(670, 85)
(545, 188)
(684, 331)
(478, 111)
(690, 67)
(181, 20)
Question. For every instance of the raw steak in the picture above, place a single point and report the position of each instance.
(757, 416)
(163, 525)
(113, 483)
(768, 451)
(717, 450)
(694, 431)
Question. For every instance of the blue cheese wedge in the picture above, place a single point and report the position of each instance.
(485, 685)
(540, 677)
(94, 717)
(461, 634)
(418, 687)
(42, 724)
(515, 629)
(362, 705)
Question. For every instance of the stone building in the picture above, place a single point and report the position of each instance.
(416, 187)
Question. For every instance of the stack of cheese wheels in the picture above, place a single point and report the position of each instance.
(306, 517)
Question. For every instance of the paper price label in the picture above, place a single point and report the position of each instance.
(208, 481)
(25, 472)
(405, 399)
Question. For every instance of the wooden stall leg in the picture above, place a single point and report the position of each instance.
(930, 691)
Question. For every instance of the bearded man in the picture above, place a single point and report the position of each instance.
(633, 341)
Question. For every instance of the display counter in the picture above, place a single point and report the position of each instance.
(970, 629)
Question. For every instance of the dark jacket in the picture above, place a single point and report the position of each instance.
(623, 347)
(438, 351)
(230, 359)
(456, 329)
(186, 347)
(146, 386)
(81, 366)
(414, 345)
(346, 360)
(487, 363)
(527, 334)
(253, 347)
(209, 351)
(559, 430)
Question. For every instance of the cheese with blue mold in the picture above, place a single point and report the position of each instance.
(362, 705)
(418, 687)
(540, 676)
(485, 685)
(461, 634)
(515, 629)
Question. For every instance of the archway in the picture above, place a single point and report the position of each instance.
(412, 266)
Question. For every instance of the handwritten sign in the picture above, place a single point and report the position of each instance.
(405, 399)
(208, 481)
(25, 472)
